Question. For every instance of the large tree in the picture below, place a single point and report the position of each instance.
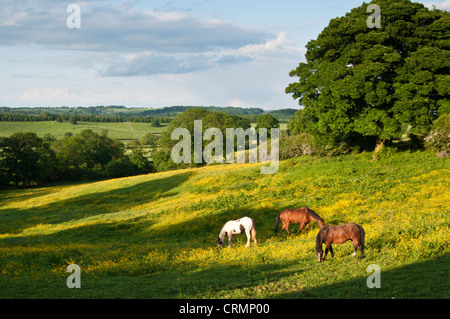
(209, 119)
(25, 159)
(87, 149)
(381, 83)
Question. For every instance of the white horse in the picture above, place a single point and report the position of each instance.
(245, 224)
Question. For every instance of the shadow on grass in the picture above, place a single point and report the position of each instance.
(16, 220)
(425, 280)
(215, 282)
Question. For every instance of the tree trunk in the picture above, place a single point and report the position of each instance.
(378, 148)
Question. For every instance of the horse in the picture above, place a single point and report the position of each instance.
(338, 235)
(238, 226)
(302, 216)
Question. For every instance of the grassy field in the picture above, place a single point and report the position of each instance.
(120, 131)
(154, 236)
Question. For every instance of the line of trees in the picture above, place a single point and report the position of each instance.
(26, 159)
(210, 119)
(10, 117)
(122, 111)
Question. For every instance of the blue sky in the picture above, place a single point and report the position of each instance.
(159, 53)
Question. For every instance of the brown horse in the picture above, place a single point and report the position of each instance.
(338, 235)
(302, 216)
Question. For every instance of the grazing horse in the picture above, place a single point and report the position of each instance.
(302, 216)
(338, 235)
(245, 224)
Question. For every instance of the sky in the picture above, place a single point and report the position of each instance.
(158, 53)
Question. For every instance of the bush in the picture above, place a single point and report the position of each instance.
(386, 152)
(121, 168)
(4, 180)
(163, 162)
(297, 145)
(438, 140)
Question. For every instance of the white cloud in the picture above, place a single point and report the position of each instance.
(118, 28)
(138, 58)
(267, 47)
(47, 94)
(445, 5)
(122, 41)
(150, 62)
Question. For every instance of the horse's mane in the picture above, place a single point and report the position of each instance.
(319, 240)
(313, 214)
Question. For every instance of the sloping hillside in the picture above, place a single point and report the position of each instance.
(154, 236)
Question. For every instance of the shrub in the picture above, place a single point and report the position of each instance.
(121, 168)
(438, 140)
(297, 145)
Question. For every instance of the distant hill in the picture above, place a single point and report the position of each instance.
(120, 110)
(282, 113)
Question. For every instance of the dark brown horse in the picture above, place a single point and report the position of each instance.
(302, 216)
(338, 235)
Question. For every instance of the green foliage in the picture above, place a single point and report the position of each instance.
(141, 162)
(88, 149)
(73, 120)
(209, 119)
(297, 123)
(375, 82)
(438, 139)
(155, 122)
(267, 121)
(26, 159)
(297, 145)
(112, 113)
(163, 162)
(386, 152)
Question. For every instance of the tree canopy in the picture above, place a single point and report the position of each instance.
(375, 82)
(210, 119)
(25, 158)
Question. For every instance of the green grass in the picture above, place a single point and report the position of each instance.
(153, 236)
(120, 131)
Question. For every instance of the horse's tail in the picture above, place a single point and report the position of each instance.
(277, 220)
(362, 236)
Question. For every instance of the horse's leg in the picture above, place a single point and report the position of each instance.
(286, 228)
(253, 233)
(247, 232)
(361, 249)
(355, 248)
(327, 248)
(301, 227)
(331, 251)
(230, 239)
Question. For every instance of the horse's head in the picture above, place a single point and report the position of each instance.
(319, 255)
(319, 241)
(219, 242)
(321, 223)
